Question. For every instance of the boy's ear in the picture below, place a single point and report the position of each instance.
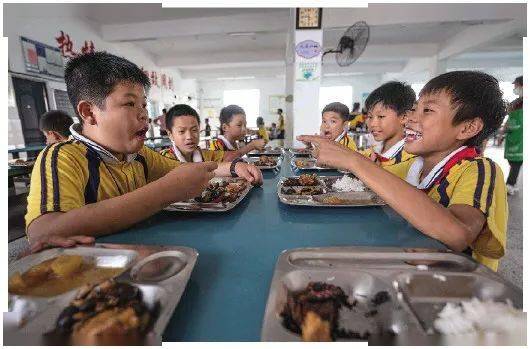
(470, 128)
(56, 135)
(85, 109)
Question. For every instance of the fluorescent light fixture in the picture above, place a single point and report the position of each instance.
(237, 78)
(242, 34)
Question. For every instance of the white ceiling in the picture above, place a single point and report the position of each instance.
(200, 42)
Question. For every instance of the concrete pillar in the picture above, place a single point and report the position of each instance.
(303, 77)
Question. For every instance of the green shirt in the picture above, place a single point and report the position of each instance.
(513, 148)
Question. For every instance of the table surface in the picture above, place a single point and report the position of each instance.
(226, 296)
(31, 147)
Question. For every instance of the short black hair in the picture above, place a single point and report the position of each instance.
(93, 76)
(518, 80)
(473, 94)
(164, 110)
(280, 110)
(228, 112)
(259, 121)
(180, 110)
(338, 108)
(356, 106)
(56, 120)
(395, 95)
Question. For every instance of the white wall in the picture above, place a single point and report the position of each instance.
(211, 93)
(25, 20)
(360, 84)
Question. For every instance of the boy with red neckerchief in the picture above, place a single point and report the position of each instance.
(447, 191)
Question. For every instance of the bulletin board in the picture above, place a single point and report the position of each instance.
(41, 58)
(276, 102)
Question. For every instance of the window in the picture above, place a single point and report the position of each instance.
(507, 91)
(246, 99)
(331, 94)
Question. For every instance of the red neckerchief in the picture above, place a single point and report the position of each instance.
(465, 154)
(381, 158)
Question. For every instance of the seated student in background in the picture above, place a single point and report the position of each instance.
(55, 125)
(274, 131)
(104, 179)
(262, 131)
(447, 191)
(334, 124)
(182, 123)
(387, 108)
(233, 129)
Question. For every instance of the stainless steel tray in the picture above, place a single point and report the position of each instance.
(195, 206)
(300, 152)
(161, 272)
(416, 294)
(276, 151)
(350, 199)
(308, 164)
(25, 164)
(253, 160)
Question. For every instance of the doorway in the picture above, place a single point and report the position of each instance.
(32, 102)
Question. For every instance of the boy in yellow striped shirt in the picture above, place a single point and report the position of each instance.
(334, 126)
(387, 108)
(447, 191)
(103, 179)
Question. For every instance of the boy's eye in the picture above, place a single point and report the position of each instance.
(380, 116)
(427, 110)
(130, 104)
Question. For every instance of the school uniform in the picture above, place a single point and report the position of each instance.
(394, 155)
(199, 155)
(346, 141)
(263, 134)
(79, 172)
(465, 178)
(221, 143)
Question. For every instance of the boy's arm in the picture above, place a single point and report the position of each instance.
(247, 171)
(456, 226)
(255, 144)
(107, 216)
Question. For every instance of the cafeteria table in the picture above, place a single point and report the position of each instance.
(30, 149)
(226, 296)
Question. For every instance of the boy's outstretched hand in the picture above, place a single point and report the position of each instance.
(190, 179)
(257, 144)
(328, 152)
(250, 172)
(59, 241)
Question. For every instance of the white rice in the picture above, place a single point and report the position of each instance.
(347, 183)
(480, 316)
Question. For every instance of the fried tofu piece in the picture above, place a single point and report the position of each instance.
(315, 329)
(66, 265)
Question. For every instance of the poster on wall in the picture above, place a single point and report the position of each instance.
(308, 62)
(41, 58)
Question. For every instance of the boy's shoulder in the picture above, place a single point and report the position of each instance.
(72, 149)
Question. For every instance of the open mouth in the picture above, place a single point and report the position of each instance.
(141, 133)
(412, 135)
(190, 144)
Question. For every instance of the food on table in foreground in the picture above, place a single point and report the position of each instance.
(333, 200)
(221, 192)
(347, 183)
(266, 161)
(302, 191)
(480, 316)
(303, 180)
(314, 312)
(58, 275)
(101, 312)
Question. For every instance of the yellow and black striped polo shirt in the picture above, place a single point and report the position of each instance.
(479, 183)
(206, 154)
(400, 156)
(72, 174)
(348, 142)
